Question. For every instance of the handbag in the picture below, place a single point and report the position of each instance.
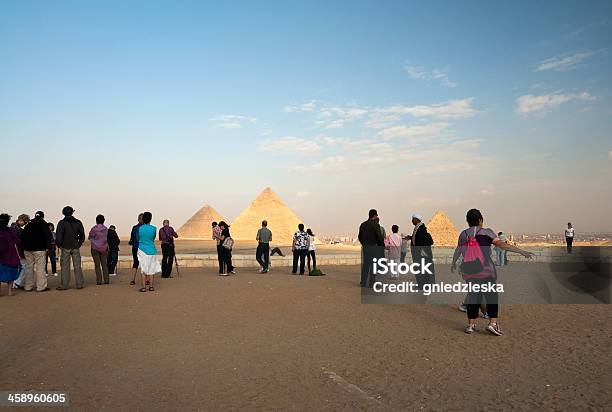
(228, 243)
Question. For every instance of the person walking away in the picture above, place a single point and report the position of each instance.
(147, 253)
(372, 247)
(300, 247)
(569, 237)
(10, 261)
(393, 244)
(216, 235)
(420, 248)
(22, 221)
(99, 250)
(134, 243)
(166, 237)
(474, 244)
(227, 244)
(36, 238)
(262, 255)
(113, 250)
(502, 255)
(69, 237)
(312, 248)
(52, 253)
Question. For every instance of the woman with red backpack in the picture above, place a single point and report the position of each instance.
(478, 269)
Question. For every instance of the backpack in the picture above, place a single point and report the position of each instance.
(228, 243)
(472, 266)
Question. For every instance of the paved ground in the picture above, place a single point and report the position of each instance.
(261, 342)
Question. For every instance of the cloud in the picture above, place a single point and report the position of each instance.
(290, 144)
(232, 121)
(415, 131)
(529, 104)
(328, 163)
(335, 117)
(451, 109)
(304, 107)
(563, 62)
(421, 73)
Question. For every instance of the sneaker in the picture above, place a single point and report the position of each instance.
(261, 270)
(112, 274)
(265, 271)
(55, 275)
(494, 329)
(484, 315)
(469, 329)
(463, 307)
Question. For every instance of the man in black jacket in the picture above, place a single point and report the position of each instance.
(113, 249)
(36, 239)
(69, 237)
(420, 248)
(372, 246)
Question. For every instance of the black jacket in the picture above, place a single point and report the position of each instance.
(421, 243)
(36, 235)
(113, 241)
(370, 234)
(70, 233)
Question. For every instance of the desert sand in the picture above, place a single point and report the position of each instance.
(275, 341)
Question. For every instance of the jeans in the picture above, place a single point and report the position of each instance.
(35, 270)
(113, 258)
(262, 255)
(569, 241)
(65, 258)
(100, 264)
(167, 259)
(501, 256)
(301, 255)
(51, 256)
(311, 254)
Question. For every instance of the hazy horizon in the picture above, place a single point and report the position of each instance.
(118, 108)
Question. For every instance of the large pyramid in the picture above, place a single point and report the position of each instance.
(199, 226)
(267, 206)
(442, 230)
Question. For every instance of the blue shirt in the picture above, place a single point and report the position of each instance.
(146, 239)
(134, 236)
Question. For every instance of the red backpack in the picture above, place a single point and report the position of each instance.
(473, 266)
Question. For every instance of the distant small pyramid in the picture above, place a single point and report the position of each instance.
(267, 206)
(442, 230)
(199, 226)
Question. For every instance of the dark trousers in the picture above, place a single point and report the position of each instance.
(263, 255)
(220, 257)
(226, 257)
(368, 253)
(135, 257)
(113, 257)
(474, 300)
(569, 241)
(301, 255)
(51, 256)
(167, 259)
(311, 254)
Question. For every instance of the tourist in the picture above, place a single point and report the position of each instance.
(22, 221)
(404, 250)
(113, 250)
(36, 239)
(227, 244)
(474, 245)
(262, 255)
(569, 237)
(300, 249)
(98, 236)
(52, 253)
(420, 248)
(312, 247)
(276, 251)
(393, 244)
(502, 255)
(134, 243)
(216, 235)
(166, 237)
(10, 261)
(372, 247)
(69, 238)
(147, 253)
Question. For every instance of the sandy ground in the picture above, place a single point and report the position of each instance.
(275, 341)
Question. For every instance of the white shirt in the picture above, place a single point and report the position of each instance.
(312, 245)
(569, 232)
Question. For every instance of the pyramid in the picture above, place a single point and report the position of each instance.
(442, 230)
(267, 206)
(199, 226)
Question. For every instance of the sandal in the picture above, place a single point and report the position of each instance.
(142, 289)
(132, 283)
(151, 289)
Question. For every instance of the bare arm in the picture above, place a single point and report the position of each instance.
(511, 248)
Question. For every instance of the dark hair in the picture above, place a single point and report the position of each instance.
(301, 227)
(100, 219)
(500, 233)
(222, 223)
(310, 232)
(112, 227)
(147, 217)
(40, 214)
(264, 223)
(67, 211)
(372, 213)
(473, 217)
(4, 220)
(395, 228)
(214, 224)
(51, 225)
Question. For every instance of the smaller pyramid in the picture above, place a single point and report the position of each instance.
(199, 226)
(442, 230)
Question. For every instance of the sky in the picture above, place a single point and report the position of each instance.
(120, 107)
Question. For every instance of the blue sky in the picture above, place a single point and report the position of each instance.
(117, 107)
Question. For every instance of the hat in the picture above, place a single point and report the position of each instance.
(112, 227)
(417, 216)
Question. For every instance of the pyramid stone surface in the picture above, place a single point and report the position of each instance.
(199, 226)
(442, 230)
(267, 206)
